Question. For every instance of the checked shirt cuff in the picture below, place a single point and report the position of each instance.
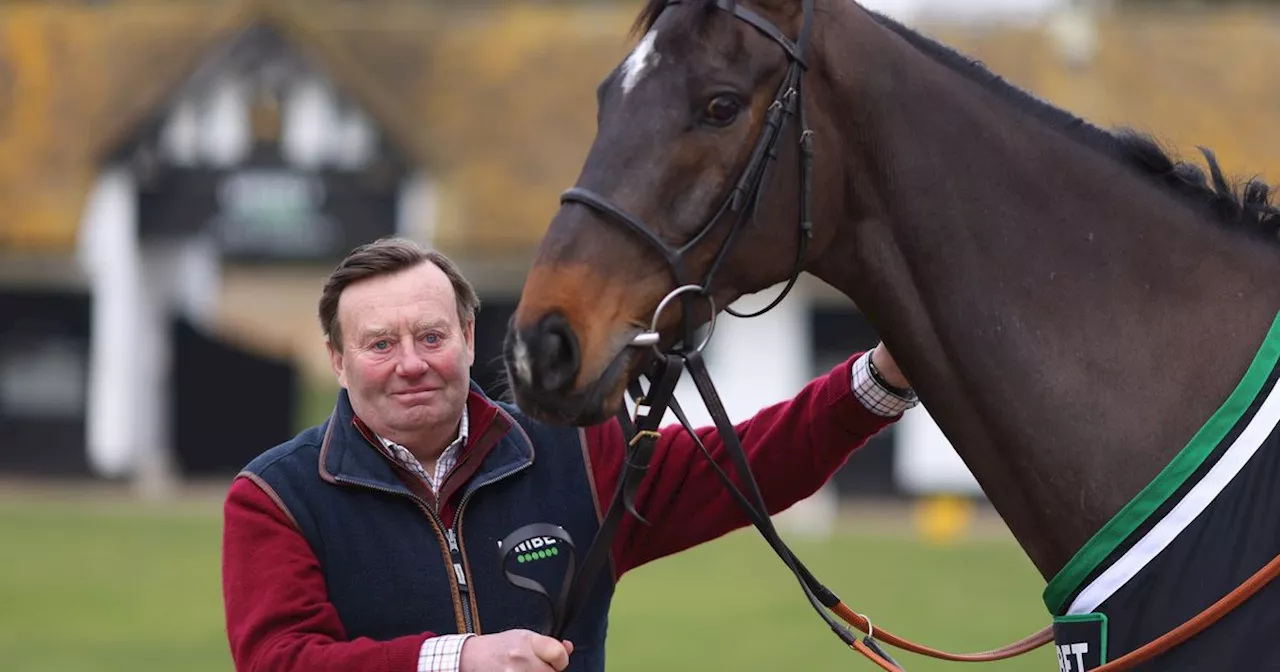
(441, 654)
(876, 397)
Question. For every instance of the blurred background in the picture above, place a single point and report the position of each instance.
(177, 177)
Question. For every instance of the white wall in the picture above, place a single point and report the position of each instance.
(924, 462)
(756, 362)
(417, 213)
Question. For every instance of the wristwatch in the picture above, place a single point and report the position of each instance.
(904, 392)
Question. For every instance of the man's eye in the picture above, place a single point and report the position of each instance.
(432, 339)
(382, 345)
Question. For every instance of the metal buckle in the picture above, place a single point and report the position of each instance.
(652, 337)
(642, 434)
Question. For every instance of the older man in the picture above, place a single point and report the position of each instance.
(369, 542)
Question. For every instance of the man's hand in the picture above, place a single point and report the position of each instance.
(514, 651)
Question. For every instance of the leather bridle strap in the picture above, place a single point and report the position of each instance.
(642, 436)
(757, 513)
(868, 646)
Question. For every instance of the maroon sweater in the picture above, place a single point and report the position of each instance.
(277, 613)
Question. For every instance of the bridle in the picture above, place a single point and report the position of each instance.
(743, 199)
(642, 429)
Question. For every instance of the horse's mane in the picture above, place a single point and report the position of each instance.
(1248, 206)
(1251, 207)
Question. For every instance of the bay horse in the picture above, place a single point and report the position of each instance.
(1090, 322)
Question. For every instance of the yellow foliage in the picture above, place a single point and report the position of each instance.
(498, 100)
(80, 76)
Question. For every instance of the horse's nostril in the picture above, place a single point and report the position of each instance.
(555, 353)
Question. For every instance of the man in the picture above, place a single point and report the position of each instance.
(369, 542)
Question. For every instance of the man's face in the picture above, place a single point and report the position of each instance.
(405, 358)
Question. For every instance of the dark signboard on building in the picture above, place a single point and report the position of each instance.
(262, 149)
(270, 212)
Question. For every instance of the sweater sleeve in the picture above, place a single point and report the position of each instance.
(793, 447)
(278, 616)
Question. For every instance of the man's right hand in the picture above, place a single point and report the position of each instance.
(514, 651)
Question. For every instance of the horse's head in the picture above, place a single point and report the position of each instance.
(670, 195)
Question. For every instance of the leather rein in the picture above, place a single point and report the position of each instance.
(642, 429)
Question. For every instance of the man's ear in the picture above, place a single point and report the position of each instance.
(337, 361)
(469, 333)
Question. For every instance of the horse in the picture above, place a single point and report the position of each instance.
(1091, 322)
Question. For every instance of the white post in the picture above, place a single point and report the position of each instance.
(109, 252)
(130, 350)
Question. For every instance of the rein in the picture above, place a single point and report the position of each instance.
(642, 429)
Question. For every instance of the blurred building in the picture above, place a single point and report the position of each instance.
(176, 179)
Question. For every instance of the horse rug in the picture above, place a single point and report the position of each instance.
(1202, 527)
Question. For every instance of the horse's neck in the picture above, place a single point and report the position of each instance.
(1067, 325)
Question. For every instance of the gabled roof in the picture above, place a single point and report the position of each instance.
(315, 39)
(90, 78)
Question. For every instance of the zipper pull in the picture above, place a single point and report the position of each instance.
(453, 540)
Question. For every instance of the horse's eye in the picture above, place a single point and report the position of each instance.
(722, 110)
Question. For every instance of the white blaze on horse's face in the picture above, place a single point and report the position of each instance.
(643, 58)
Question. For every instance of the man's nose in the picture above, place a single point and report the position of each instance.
(411, 363)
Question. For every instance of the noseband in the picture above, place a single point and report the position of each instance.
(744, 199)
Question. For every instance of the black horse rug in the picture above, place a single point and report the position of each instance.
(1203, 526)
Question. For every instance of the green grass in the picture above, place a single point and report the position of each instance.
(109, 588)
(105, 587)
(733, 604)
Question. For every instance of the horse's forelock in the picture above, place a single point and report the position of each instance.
(699, 11)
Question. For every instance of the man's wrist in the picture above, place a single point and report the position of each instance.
(442, 653)
(902, 389)
(876, 395)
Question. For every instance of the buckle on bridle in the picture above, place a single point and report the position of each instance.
(641, 435)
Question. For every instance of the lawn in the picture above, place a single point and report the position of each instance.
(112, 586)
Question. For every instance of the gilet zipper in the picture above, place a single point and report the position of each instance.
(461, 567)
(460, 573)
(458, 583)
